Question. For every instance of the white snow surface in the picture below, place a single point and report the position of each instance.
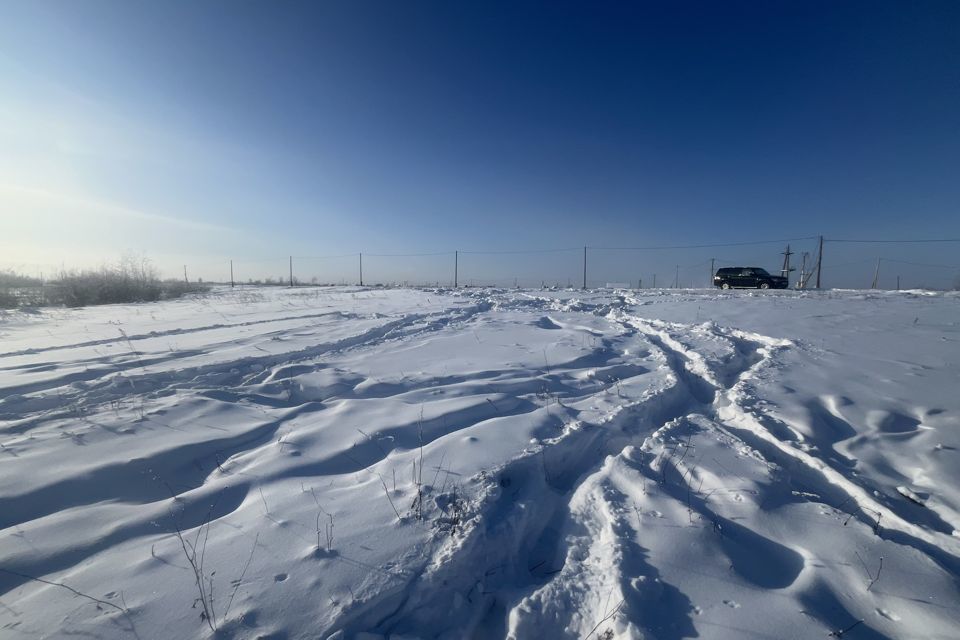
(480, 463)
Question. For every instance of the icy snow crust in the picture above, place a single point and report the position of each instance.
(358, 463)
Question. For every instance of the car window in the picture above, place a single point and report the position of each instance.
(760, 272)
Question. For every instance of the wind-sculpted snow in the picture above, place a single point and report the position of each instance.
(365, 463)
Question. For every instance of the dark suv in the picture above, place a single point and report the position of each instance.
(747, 278)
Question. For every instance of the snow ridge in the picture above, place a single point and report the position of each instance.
(481, 463)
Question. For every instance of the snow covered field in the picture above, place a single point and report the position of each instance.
(364, 463)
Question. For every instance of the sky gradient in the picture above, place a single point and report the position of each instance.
(196, 132)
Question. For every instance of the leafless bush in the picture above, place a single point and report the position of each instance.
(195, 552)
(327, 527)
(418, 472)
(12, 285)
(10, 278)
(872, 578)
(453, 507)
(176, 289)
(609, 632)
(328, 530)
(8, 300)
(132, 279)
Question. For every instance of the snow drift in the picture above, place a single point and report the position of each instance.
(360, 463)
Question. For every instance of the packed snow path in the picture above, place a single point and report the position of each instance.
(366, 463)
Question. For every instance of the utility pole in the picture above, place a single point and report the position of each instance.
(584, 267)
(654, 281)
(676, 280)
(785, 271)
(710, 279)
(876, 275)
(640, 283)
(361, 268)
(819, 261)
(291, 271)
(231, 274)
(456, 260)
(184, 274)
(803, 272)
(898, 283)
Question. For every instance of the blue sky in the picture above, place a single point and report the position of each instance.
(194, 132)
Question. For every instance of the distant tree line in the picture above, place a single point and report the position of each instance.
(131, 279)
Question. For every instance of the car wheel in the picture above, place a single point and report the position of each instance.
(725, 285)
(764, 285)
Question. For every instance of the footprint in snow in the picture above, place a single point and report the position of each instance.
(889, 615)
(280, 577)
(733, 604)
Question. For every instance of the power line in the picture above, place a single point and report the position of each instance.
(342, 255)
(703, 246)
(922, 241)
(922, 264)
(261, 261)
(490, 253)
(408, 255)
(847, 264)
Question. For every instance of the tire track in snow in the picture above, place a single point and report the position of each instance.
(742, 417)
(637, 585)
(527, 522)
(606, 582)
(757, 429)
(519, 517)
(526, 506)
(531, 528)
